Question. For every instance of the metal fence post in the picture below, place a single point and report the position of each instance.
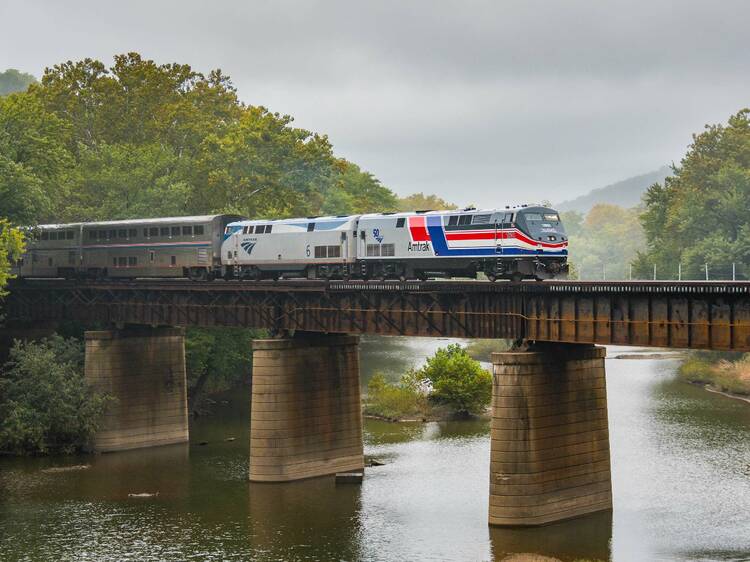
(679, 271)
(654, 272)
(706, 272)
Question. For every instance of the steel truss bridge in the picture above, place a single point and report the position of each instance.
(700, 315)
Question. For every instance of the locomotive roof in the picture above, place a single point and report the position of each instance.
(161, 220)
(344, 218)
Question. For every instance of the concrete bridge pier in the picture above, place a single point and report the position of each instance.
(305, 416)
(550, 440)
(144, 370)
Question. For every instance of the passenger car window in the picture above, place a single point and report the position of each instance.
(122, 233)
(400, 222)
(164, 231)
(69, 235)
(453, 221)
(45, 235)
(153, 231)
(132, 233)
(198, 230)
(175, 231)
(464, 219)
(187, 230)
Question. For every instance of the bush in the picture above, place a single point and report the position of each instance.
(396, 401)
(457, 380)
(45, 403)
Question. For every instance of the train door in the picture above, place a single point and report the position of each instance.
(498, 238)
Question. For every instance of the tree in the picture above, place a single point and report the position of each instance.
(45, 403)
(422, 202)
(605, 241)
(36, 169)
(457, 380)
(11, 249)
(699, 214)
(13, 80)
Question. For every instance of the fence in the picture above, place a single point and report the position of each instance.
(734, 271)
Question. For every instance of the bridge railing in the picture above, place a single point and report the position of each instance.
(707, 271)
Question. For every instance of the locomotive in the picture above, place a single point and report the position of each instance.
(515, 243)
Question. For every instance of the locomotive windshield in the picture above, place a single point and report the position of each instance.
(541, 224)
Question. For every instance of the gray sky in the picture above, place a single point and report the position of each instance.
(480, 102)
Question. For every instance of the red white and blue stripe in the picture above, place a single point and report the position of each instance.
(486, 242)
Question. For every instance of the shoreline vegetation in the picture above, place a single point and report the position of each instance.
(451, 385)
(724, 373)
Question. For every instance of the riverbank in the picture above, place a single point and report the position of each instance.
(719, 374)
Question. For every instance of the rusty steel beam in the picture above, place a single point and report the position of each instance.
(699, 315)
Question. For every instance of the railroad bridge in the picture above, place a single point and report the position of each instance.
(549, 453)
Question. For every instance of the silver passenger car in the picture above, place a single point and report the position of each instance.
(162, 247)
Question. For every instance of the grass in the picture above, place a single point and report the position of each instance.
(723, 374)
(402, 400)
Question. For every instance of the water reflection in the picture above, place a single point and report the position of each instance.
(298, 520)
(583, 538)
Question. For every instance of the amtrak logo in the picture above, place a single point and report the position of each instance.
(248, 246)
(376, 234)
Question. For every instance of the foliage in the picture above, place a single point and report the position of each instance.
(395, 401)
(218, 359)
(13, 80)
(727, 374)
(45, 403)
(139, 139)
(36, 168)
(699, 214)
(11, 248)
(606, 239)
(422, 202)
(457, 380)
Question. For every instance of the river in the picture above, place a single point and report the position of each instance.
(680, 469)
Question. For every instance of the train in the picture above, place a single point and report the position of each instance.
(516, 243)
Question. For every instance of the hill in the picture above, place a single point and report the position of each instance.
(626, 193)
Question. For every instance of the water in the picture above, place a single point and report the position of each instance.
(681, 479)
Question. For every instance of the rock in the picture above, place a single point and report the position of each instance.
(375, 462)
(66, 468)
(230, 439)
(144, 495)
(349, 477)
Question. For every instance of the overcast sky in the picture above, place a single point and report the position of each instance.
(480, 102)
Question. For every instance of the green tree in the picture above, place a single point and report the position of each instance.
(422, 202)
(699, 214)
(457, 380)
(45, 403)
(13, 80)
(11, 249)
(606, 241)
(36, 169)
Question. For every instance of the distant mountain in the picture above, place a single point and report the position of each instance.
(625, 193)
